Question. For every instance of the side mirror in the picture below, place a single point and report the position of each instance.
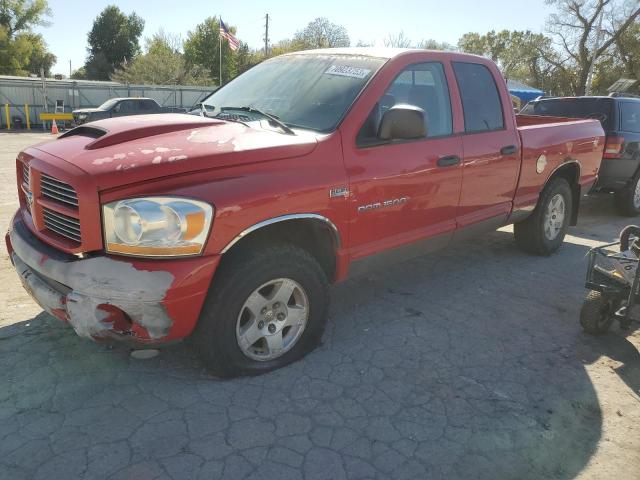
(403, 122)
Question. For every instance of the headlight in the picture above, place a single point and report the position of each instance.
(156, 226)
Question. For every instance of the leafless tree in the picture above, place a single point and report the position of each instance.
(399, 40)
(431, 44)
(575, 27)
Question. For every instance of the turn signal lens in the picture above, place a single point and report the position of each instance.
(156, 226)
(614, 147)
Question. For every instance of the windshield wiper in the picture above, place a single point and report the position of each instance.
(272, 118)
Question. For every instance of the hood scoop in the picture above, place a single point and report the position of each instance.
(114, 131)
(143, 131)
(84, 131)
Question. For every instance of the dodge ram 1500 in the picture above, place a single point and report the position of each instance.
(229, 226)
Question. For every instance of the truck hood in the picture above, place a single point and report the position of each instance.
(87, 110)
(120, 151)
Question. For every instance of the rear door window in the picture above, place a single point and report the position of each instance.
(630, 117)
(147, 106)
(480, 98)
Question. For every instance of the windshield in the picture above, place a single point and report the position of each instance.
(584, 107)
(108, 104)
(304, 91)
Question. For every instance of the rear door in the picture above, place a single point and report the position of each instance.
(404, 191)
(490, 144)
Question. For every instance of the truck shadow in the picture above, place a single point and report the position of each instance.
(598, 215)
(469, 363)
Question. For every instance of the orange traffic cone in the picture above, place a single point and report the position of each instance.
(54, 128)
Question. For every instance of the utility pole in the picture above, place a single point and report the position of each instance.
(266, 35)
(69, 68)
(45, 101)
(593, 60)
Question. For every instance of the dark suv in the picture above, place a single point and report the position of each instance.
(620, 118)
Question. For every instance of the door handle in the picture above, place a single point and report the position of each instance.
(508, 150)
(448, 161)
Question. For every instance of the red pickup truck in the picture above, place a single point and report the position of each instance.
(227, 227)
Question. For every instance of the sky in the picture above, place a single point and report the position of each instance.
(367, 20)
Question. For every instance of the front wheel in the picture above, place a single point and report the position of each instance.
(596, 314)
(267, 308)
(543, 231)
(628, 200)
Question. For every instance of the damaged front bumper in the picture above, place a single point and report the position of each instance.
(149, 301)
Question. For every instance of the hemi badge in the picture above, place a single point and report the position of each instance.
(338, 192)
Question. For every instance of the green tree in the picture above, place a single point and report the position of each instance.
(321, 33)
(40, 57)
(21, 51)
(79, 74)
(521, 55)
(162, 64)
(245, 58)
(113, 41)
(286, 46)
(628, 51)
(431, 44)
(202, 48)
(18, 16)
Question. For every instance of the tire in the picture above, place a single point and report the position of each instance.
(531, 235)
(628, 236)
(227, 315)
(596, 315)
(627, 201)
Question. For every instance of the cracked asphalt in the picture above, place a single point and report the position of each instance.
(469, 363)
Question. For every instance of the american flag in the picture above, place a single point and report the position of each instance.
(234, 43)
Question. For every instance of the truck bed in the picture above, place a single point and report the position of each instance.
(548, 142)
(535, 120)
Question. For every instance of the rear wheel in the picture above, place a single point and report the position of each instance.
(543, 231)
(596, 314)
(628, 200)
(266, 309)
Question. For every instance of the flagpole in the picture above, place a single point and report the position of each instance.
(220, 45)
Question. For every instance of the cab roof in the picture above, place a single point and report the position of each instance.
(378, 52)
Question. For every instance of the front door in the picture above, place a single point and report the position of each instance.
(405, 191)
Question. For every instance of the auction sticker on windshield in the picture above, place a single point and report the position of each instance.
(347, 71)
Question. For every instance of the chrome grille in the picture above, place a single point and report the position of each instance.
(25, 176)
(62, 224)
(57, 190)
